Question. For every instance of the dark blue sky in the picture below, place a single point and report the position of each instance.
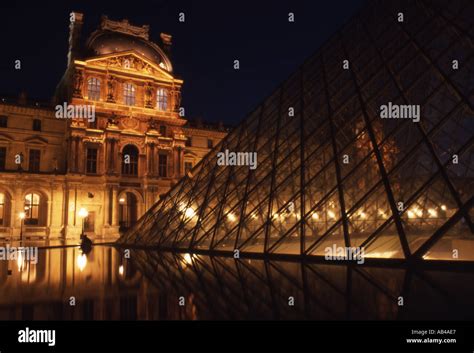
(256, 32)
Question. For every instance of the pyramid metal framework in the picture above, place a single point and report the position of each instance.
(331, 172)
(223, 288)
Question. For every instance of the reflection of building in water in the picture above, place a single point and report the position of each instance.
(331, 171)
(102, 284)
(116, 165)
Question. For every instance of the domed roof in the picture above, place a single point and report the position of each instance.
(104, 42)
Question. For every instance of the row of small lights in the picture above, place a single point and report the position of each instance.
(412, 213)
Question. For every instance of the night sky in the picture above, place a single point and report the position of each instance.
(215, 33)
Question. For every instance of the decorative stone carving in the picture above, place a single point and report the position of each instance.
(149, 95)
(125, 27)
(130, 123)
(176, 100)
(112, 121)
(152, 124)
(78, 81)
(111, 83)
(129, 62)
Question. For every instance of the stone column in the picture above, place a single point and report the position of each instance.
(17, 206)
(81, 156)
(111, 156)
(151, 159)
(180, 162)
(116, 162)
(106, 206)
(114, 206)
(101, 167)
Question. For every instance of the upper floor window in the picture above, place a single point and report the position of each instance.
(34, 162)
(210, 143)
(163, 165)
(32, 208)
(129, 94)
(3, 121)
(162, 99)
(162, 130)
(130, 160)
(91, 161)
(3, 157)
(93, 88)
(36, 125)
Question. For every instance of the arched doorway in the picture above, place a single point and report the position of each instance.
(128, 210)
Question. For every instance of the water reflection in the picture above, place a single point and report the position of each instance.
(103, 284)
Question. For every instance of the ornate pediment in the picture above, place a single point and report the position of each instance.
(36, 139)
(130, 61)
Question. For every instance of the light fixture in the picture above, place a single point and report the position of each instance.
(331, 214)
(121, 200)
(231, 217)
(121, 270)
(433, 212)
(443, 207)
(315, 215)
(83, 213)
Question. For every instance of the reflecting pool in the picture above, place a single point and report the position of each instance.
(66, 284)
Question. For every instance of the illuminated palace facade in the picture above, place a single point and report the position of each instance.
(116, 165)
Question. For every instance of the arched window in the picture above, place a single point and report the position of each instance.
(129, 94)
(162, 99)
(32, 209)
(93, 88)
(130, 160)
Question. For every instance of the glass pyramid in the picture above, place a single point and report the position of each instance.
(333, 170)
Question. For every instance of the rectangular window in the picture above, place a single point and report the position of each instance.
(210, 143)
(34, 163)
(162, 130)
(163, 165)
(188, 166)
(36, 125)
(129, 94)
(189, 142)
(3, 157)
(3, 121)
(91, 161)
